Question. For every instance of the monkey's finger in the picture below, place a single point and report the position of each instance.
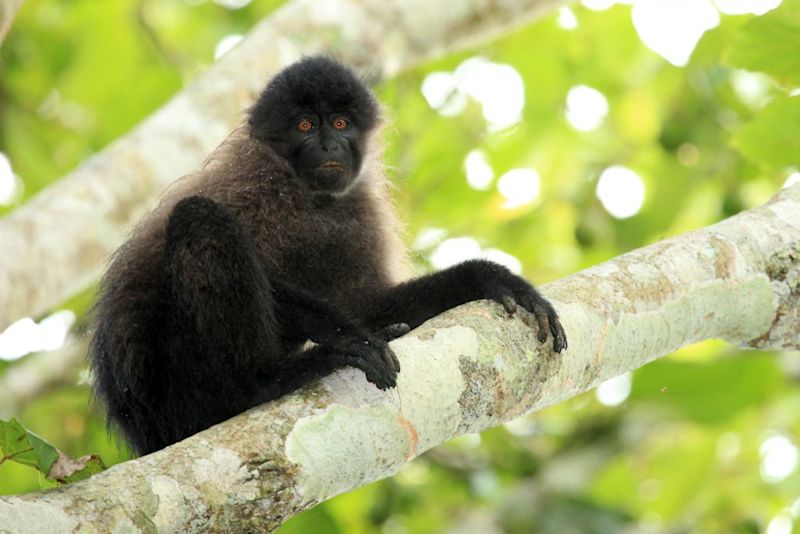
(387, 383)
(559, 337)
(377, 374)
(541, 320)
(391, 359)
(552, 318)
(385, 374)
(562, 340)
(508, 303)
(400, 329)
(529, 303)
(393, 331)
(357, 362)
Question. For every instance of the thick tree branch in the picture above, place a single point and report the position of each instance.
(56, 244)
(25, 380)
(8, 10)
(464, 371)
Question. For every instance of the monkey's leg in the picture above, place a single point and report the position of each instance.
(218, 287)
(416, 301)
(220, 339)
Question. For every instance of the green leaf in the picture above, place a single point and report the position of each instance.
(68, 470)
(46, 453)
(20, 445)
(15, 444)
(770, 44)
(773, 137)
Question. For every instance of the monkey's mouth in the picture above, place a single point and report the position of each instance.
(336, 166)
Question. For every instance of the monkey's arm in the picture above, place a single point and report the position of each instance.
(304, 316)
(416, 301)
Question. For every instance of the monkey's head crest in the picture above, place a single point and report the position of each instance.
(316, 113)
(316, 83)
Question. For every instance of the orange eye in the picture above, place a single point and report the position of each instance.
(305, 125)
(340, 123)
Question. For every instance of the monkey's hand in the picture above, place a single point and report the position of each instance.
(393, 331)
(370, 353)
(510, 290)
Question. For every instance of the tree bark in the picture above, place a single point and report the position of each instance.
(464, 371)
(56, 244)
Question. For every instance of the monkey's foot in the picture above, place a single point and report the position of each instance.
(371, 354)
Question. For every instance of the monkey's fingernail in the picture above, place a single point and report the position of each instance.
(392, 361)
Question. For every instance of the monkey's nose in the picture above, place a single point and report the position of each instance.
(332, 149)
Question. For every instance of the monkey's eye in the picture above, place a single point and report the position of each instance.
(340, 123)
(305, 125)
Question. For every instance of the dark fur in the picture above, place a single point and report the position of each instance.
(204, 311)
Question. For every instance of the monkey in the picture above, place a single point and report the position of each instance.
(286, 235)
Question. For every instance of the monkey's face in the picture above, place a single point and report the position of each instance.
(318, 115)
(325, 150)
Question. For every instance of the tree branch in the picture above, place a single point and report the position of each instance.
(464, 371)
(8, 10)
(56, 244)
(23, 381)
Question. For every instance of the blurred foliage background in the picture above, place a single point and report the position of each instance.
(552, 148)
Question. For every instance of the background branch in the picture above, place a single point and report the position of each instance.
(28, 379)
(8, 10)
